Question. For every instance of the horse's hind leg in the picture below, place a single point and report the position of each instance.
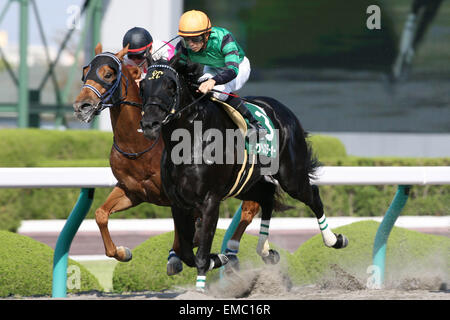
(264, 193)
(268, 255)
(330, 239)
(309, 194)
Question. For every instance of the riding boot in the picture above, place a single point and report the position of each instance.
(240, 107)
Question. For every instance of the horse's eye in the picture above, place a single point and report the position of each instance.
(108, 75)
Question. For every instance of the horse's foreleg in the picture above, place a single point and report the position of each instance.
(116, 201)
(184, 235)
(174, 264)
(204, 260)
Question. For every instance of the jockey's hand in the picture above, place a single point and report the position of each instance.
(207, 85)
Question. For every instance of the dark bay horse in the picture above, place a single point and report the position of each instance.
(135, 161)
(173, 108)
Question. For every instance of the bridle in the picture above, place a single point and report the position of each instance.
(172, 109)
(113, 94)
(113, 91)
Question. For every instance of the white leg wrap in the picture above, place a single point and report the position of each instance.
(263, 244)
(201, 282)
(328, 236)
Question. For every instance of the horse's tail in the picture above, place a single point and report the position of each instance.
(312, 163)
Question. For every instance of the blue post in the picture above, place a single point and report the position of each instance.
(230, 231)
(231, 228)
(379, 246)
(60, 258)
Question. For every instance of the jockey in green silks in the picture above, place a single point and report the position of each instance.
(226, 68)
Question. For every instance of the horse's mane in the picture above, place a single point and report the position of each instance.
(190, 71)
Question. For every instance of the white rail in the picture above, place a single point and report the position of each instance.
(103, 177)
(90, 178)
(383, 175)
(56, 177)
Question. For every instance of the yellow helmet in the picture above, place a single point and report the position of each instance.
(193, 23)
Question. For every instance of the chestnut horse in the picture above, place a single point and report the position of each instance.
(134, 160)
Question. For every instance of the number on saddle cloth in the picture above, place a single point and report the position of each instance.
(267, 145)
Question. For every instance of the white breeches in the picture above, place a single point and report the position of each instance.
(234, 85)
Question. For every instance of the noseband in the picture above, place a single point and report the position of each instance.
(113, 94)
(114, 63)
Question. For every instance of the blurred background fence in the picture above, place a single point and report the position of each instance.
(317, 57)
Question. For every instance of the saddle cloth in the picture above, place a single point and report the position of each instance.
(265, 147)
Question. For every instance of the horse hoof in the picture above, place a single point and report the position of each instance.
(232, 265)
(217, 260)
(127, 255)
(174, 266)
(341, 242)
(272, 258)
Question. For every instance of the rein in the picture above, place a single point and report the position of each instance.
(173, 112)
(170, 116)
(136, 155)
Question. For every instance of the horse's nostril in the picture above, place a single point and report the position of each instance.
(85, 106)
(155, 124)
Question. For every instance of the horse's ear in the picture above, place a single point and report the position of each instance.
(98, 48)
(122, 52)
(135, 72)
(174, 62)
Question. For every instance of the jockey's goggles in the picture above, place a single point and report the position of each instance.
(195, 39)
(136, 56)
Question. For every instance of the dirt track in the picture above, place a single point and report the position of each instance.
(300, 293)
(270, 284)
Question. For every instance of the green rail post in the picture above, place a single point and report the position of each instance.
(230, 231)
(231, 228)
(382, 235)
(23, 112)
(61, 255)
(96, 37)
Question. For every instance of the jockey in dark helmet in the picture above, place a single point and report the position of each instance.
(143, 46)
(226, 68)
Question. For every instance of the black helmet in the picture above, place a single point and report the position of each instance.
(139, 40)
